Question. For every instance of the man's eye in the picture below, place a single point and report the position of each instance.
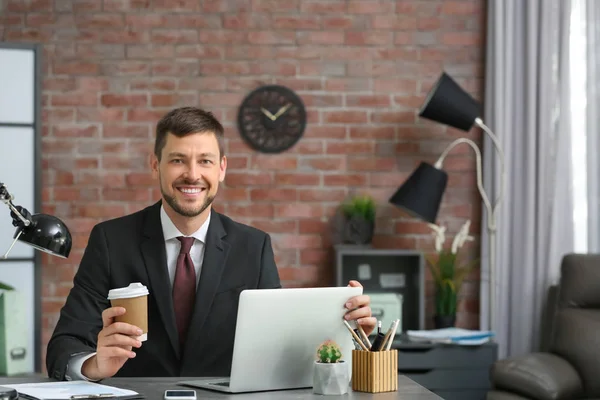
(205, 161)
(176, 160)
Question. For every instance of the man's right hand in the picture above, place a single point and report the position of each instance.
(115, 343)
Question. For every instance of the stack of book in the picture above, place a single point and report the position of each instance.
(451, 336)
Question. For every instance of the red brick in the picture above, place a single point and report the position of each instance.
(371, 164)
(296, 179)
(258, 210)
(345, 117)
(298, 210)
(123, 100)
(323, 163)
(248, 179)
(271, 195)
(370, 6)
(345, 180)
(322, 194)
(350, 147)
(321, 7)
(75, 131)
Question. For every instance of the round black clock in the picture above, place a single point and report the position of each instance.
(271, 119)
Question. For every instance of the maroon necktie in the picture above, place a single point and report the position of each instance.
(184, 288)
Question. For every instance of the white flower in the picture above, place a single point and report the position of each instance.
(439, 235)
(461, 237)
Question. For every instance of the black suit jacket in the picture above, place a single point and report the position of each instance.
(132, 249)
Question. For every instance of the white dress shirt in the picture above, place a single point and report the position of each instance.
(172, 247)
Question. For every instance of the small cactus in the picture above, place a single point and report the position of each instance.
(329, 352)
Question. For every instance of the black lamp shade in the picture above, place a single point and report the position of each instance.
(448, 104)
(48, 234)
(421, 194)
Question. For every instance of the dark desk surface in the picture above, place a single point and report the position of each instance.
(154, 388)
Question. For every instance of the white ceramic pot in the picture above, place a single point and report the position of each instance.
(331, 378)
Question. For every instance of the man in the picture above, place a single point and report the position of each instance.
(194, 261)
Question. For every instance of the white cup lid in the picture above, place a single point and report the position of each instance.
(135, 289)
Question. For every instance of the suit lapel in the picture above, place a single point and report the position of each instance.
(155, 258)
(215, 254)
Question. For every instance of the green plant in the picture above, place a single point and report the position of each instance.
(4, 286)
(362, 206)
(329, 352)
(448, 271)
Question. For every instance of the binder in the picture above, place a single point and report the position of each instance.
(72, 390)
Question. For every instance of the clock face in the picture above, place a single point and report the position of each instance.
(272, 119)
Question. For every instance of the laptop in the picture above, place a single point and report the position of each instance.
(277, 335)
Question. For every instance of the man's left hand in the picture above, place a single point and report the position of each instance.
(360, 310)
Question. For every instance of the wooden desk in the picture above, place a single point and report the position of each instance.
(154, 388)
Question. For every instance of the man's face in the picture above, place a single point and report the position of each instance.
(189, 172)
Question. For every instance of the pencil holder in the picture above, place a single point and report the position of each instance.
(374, 371)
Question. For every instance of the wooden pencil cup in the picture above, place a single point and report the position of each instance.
(375, 371)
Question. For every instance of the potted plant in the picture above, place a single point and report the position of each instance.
(331, 375)
(448, 273)
(355, 221)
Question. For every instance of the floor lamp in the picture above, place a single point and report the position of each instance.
(421, 194)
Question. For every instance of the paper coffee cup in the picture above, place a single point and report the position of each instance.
(134, 298)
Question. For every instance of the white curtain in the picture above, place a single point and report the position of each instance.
(587, 18)
(527, 105)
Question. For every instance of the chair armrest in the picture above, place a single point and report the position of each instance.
(541, 376)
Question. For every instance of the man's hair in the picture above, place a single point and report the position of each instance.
(185, 121)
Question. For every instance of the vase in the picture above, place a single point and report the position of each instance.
(358, 230)
(444, 321)
(331, 378)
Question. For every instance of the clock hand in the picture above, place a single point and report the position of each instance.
(268, 114)
(282, 110)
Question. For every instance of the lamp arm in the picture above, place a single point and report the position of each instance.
(492, 209)
(440, 161)
(7, 198)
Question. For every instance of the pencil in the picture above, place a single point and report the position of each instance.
(364, 335)
(389, 344)
(355, 336)
(390, 335)
(387, 336)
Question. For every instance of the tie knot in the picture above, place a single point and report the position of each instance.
(186, 244)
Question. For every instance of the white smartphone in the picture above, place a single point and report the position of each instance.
(180, 395)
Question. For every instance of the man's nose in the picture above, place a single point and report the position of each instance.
(193, 172)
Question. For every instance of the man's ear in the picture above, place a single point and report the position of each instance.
(154, 165)
(222, 168)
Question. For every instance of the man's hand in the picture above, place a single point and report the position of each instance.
(115, 343)
(360, 310)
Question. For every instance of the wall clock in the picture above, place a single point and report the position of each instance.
(272, 118)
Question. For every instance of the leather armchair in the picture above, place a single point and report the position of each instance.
(570, 367)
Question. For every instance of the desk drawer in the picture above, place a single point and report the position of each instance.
(445, 357)
(451, 378)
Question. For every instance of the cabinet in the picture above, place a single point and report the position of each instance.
(453, 372)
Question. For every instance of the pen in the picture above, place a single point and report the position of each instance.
(92, 396)
(378, 342)
(355, 336)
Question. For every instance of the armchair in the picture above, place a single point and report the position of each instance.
(570, 367)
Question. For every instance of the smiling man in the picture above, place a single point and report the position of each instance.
(194, 261)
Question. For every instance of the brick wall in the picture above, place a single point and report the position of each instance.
(362, 67)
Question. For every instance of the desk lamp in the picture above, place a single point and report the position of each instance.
(421, 194)
(41, 231)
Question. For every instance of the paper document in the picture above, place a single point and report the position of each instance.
(69, 390)
(452, 335)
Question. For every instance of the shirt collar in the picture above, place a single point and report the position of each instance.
(170, 231)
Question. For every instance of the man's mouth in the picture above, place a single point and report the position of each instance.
(191, 190)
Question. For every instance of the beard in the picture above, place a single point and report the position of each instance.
(190, 211)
